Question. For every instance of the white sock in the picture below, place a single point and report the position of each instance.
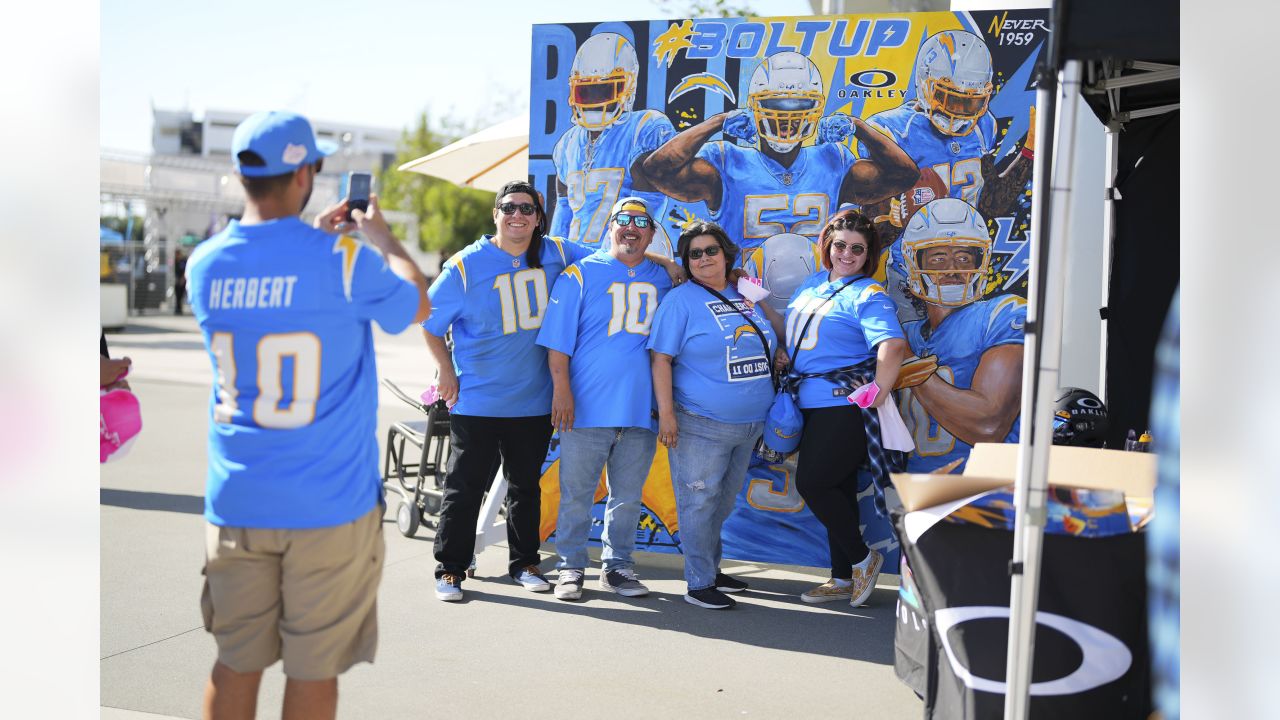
(841, 583)
(866, 562)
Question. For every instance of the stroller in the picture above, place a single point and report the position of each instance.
(421, 483)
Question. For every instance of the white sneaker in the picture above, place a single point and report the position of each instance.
(569, 584)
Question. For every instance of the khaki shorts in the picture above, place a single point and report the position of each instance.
(307, 596)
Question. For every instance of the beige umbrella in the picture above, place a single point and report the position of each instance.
(485, 160)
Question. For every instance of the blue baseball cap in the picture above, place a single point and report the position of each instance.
(284, 141)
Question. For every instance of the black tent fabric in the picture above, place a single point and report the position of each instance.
(1145, 267)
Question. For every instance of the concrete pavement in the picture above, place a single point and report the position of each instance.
(502, 652)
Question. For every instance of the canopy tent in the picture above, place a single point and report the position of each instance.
(485, 160)
(1122, 57)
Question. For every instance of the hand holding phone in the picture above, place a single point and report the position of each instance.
(358, 187)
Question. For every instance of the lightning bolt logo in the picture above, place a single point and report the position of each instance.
(348, 247)
(676, 38)
(742, 330)
(705, 81)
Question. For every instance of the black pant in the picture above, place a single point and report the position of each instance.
(477, 443)
(832, 448)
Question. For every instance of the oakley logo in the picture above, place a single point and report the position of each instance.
(1106, 659)
(873, 78)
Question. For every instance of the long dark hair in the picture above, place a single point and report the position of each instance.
(684, 244)
(532, 256)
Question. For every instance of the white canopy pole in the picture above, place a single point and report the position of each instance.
(1108, 240)
(1051, 213)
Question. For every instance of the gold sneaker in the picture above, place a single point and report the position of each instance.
(828, 591)
(864, 581)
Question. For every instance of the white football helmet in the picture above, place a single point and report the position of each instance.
(787, 99)
(783, 262)
(602, 81)
(946, 278)
(953, 80)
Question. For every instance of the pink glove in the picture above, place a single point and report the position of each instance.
(119, 422)
(865, 395)
(432, 394)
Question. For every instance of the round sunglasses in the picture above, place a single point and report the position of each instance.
(840, 246)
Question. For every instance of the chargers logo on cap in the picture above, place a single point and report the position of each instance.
(294, 154)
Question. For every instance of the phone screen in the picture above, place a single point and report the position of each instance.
(358, 187)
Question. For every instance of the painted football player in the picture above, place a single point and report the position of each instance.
(781, 186)
(601, 157)
(965, 385)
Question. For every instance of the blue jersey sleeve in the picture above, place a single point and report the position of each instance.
(669, 330)
(1007, 323)
(572, 251)
(377, 292)
(560, 326)
(878, 315)
(448, 296)
(654, 131)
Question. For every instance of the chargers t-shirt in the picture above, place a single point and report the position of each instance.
(719, 367)
(495, 304)
(285, 311)
(844, 332)
(600, 315)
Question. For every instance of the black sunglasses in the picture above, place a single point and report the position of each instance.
(641, 221)
(841, 246)
(697, 253)
(524, 208)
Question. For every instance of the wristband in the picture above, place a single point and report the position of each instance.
(1028, 154)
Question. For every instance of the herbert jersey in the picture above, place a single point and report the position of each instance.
(285, 311)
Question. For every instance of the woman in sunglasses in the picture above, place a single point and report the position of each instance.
(851, 336)
(711, 357)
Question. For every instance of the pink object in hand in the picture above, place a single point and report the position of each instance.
(865, 395)
(119, 422)
(432, 394)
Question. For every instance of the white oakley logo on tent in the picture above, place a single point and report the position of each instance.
(1106, 659)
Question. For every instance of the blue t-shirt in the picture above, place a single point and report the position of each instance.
(719, 367)
(600, 315)
(844, 332)
(496, 303)
(285, 310)
(759, 198)
(596, 174)
(959, 341)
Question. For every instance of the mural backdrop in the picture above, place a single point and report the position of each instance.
(703, 118)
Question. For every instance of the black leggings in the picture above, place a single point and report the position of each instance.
(832, 448)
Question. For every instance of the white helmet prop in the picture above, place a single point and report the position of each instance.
(953, 80)
(946, 251)
(787, 100)
(602, 81)
(786, 259)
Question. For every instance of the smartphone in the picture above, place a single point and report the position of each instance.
(358, 185)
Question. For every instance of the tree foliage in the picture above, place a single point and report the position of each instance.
(706, 8)
(450, 217)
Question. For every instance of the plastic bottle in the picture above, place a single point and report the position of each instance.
(1144, 442)
(1131, 441)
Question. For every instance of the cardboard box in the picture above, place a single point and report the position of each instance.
(993, 465)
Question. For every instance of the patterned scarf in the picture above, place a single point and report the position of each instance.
(881, 461)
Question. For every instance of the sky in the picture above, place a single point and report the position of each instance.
(464, 59)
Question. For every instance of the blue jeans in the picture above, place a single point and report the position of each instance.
(584, 452)
(708, 466)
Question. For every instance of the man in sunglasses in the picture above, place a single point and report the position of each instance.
(293, 506)
(595, 333)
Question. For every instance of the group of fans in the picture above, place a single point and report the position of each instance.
(581, 326)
